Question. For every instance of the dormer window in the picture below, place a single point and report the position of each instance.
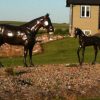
(85, 11)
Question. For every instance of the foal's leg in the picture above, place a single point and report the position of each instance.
(96, 51)
(25, 55)
(1, 65)
(30, 54)
(83, 50)
(78, 54)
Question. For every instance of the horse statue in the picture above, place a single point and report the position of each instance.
(85, 41)
(24, 35)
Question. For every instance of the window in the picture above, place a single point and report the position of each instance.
(85, 11)
(87, 32)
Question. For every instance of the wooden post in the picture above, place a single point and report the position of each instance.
(99, 19)
(71, 20)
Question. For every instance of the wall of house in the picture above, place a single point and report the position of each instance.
(86, 23)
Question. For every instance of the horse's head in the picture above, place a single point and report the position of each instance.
(46, 23)
(36, 24)
(77, 32)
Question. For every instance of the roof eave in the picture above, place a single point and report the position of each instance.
(67, 4)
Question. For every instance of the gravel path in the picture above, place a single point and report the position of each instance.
(50, 82)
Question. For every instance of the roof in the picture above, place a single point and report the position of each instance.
(82, 2)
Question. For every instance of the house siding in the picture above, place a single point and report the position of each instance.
(91, 23)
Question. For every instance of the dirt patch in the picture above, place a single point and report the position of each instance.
(50, 82)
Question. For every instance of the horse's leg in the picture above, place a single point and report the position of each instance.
(96, 51)
(83, 50)
(78, 54)
(30, 54)
(0, 62)
(1, 65)
(25, 55)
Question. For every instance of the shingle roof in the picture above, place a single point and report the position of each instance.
(83, 2)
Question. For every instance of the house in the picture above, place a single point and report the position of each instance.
(84, 14)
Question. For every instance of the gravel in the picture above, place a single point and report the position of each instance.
(50, 82)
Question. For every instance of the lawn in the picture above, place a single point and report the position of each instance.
(56, 52)
(56, 25)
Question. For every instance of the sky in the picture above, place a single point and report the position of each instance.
(26, 10)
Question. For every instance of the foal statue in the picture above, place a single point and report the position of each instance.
(85, 41)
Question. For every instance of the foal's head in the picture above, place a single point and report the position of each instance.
(78, 32)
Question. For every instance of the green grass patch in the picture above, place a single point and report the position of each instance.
(12, 22)
(89, 98)
(56, 52)
(61, 25)
(56, 25)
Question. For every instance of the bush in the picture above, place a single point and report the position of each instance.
(61, 31)
(9, 71)
(41, 32)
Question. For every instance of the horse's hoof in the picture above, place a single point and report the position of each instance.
(25, 65)
(1, 65)
(93, 63)
(32, 65)
(80, 63)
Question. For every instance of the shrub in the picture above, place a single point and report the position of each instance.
(9, 71)
(61, 31)
(41, 32)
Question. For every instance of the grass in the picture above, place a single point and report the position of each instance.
(89, 99)
(56, 52)
(56, 25)
(12, 22)
(61, 51)
(61, 25)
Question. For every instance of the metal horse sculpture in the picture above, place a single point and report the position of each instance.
(86, 41)
(25, 34)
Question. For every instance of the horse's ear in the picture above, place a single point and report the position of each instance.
(78, 28)
(47, 15)
(74, 27)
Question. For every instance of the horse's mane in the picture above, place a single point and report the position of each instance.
(30, 22)
(80, 31)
